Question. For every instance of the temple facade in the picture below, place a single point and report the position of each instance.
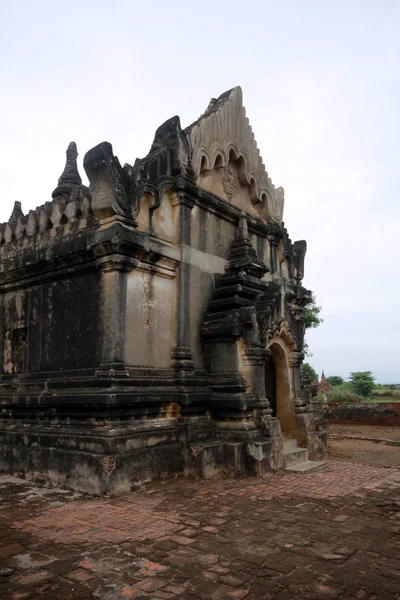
(151, 323)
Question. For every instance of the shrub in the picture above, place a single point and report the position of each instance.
(383, 392)
(339, 395)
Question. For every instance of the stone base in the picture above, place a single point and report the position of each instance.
(99, 433)
(85, 461)
(114, 463)
(215, 459)
(312, 430)
(108, 435)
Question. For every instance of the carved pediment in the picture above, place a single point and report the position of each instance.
(227, 161)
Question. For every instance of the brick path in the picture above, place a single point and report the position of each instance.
(332, 534)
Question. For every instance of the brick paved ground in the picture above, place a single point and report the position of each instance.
(333, 534)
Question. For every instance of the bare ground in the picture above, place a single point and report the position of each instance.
(372, 431)
(375, 453)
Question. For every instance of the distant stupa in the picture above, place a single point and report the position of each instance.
(323, 386)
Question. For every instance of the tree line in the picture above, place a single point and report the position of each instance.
(360, 385)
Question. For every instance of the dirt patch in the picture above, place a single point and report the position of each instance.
(370, 453)
(370, 431)
(378, 454)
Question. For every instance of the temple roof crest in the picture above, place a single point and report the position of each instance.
(222, 138)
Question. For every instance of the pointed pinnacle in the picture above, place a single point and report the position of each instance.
(17, 212)
(70, 173)
(70, 177)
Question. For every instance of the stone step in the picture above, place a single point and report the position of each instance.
(287, 444)
(308, 466)
(213, 459)
(294, 456)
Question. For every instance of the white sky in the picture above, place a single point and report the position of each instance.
(321, 87)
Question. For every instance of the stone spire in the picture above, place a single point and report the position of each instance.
(242, 256)
(323, 386)
(16, 213)
(70, 179)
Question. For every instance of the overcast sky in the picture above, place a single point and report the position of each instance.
(321, 87)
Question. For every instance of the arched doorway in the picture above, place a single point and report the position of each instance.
(277, 385)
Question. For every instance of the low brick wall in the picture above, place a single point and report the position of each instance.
(365, 413)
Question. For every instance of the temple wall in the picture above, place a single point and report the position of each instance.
(224, 182)
(149, 321)
(162, 221)
(211, 238)
(211, 233)
(53, 326)
(202, 281)
(165, 218)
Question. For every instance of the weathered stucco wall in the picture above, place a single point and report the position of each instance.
(149, 322)
(161, 220)
(225, 183)
(53, 326)
(211, 239)
(211, 233)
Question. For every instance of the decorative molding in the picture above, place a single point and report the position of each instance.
(281, 329)
(110, 184)
(230, 181)
(299, 250)
(222, 136)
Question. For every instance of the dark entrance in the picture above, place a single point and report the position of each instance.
(270, 385)
(277, 384)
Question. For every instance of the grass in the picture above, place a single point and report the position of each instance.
(379, 394)
(385, 394)
(381, 399)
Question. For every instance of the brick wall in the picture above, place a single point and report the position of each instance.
(366, 413)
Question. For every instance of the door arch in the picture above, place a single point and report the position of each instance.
(277, 383)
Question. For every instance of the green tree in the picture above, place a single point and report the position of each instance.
(362, 382)
(311, 318)
(335, 380)
(310, 372)
(311, 314)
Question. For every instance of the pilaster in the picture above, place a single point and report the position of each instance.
(114, 286)
(181, 353)
(295, 360)
(254, 362)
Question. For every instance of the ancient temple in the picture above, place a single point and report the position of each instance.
(151, 323)
(323, 386)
